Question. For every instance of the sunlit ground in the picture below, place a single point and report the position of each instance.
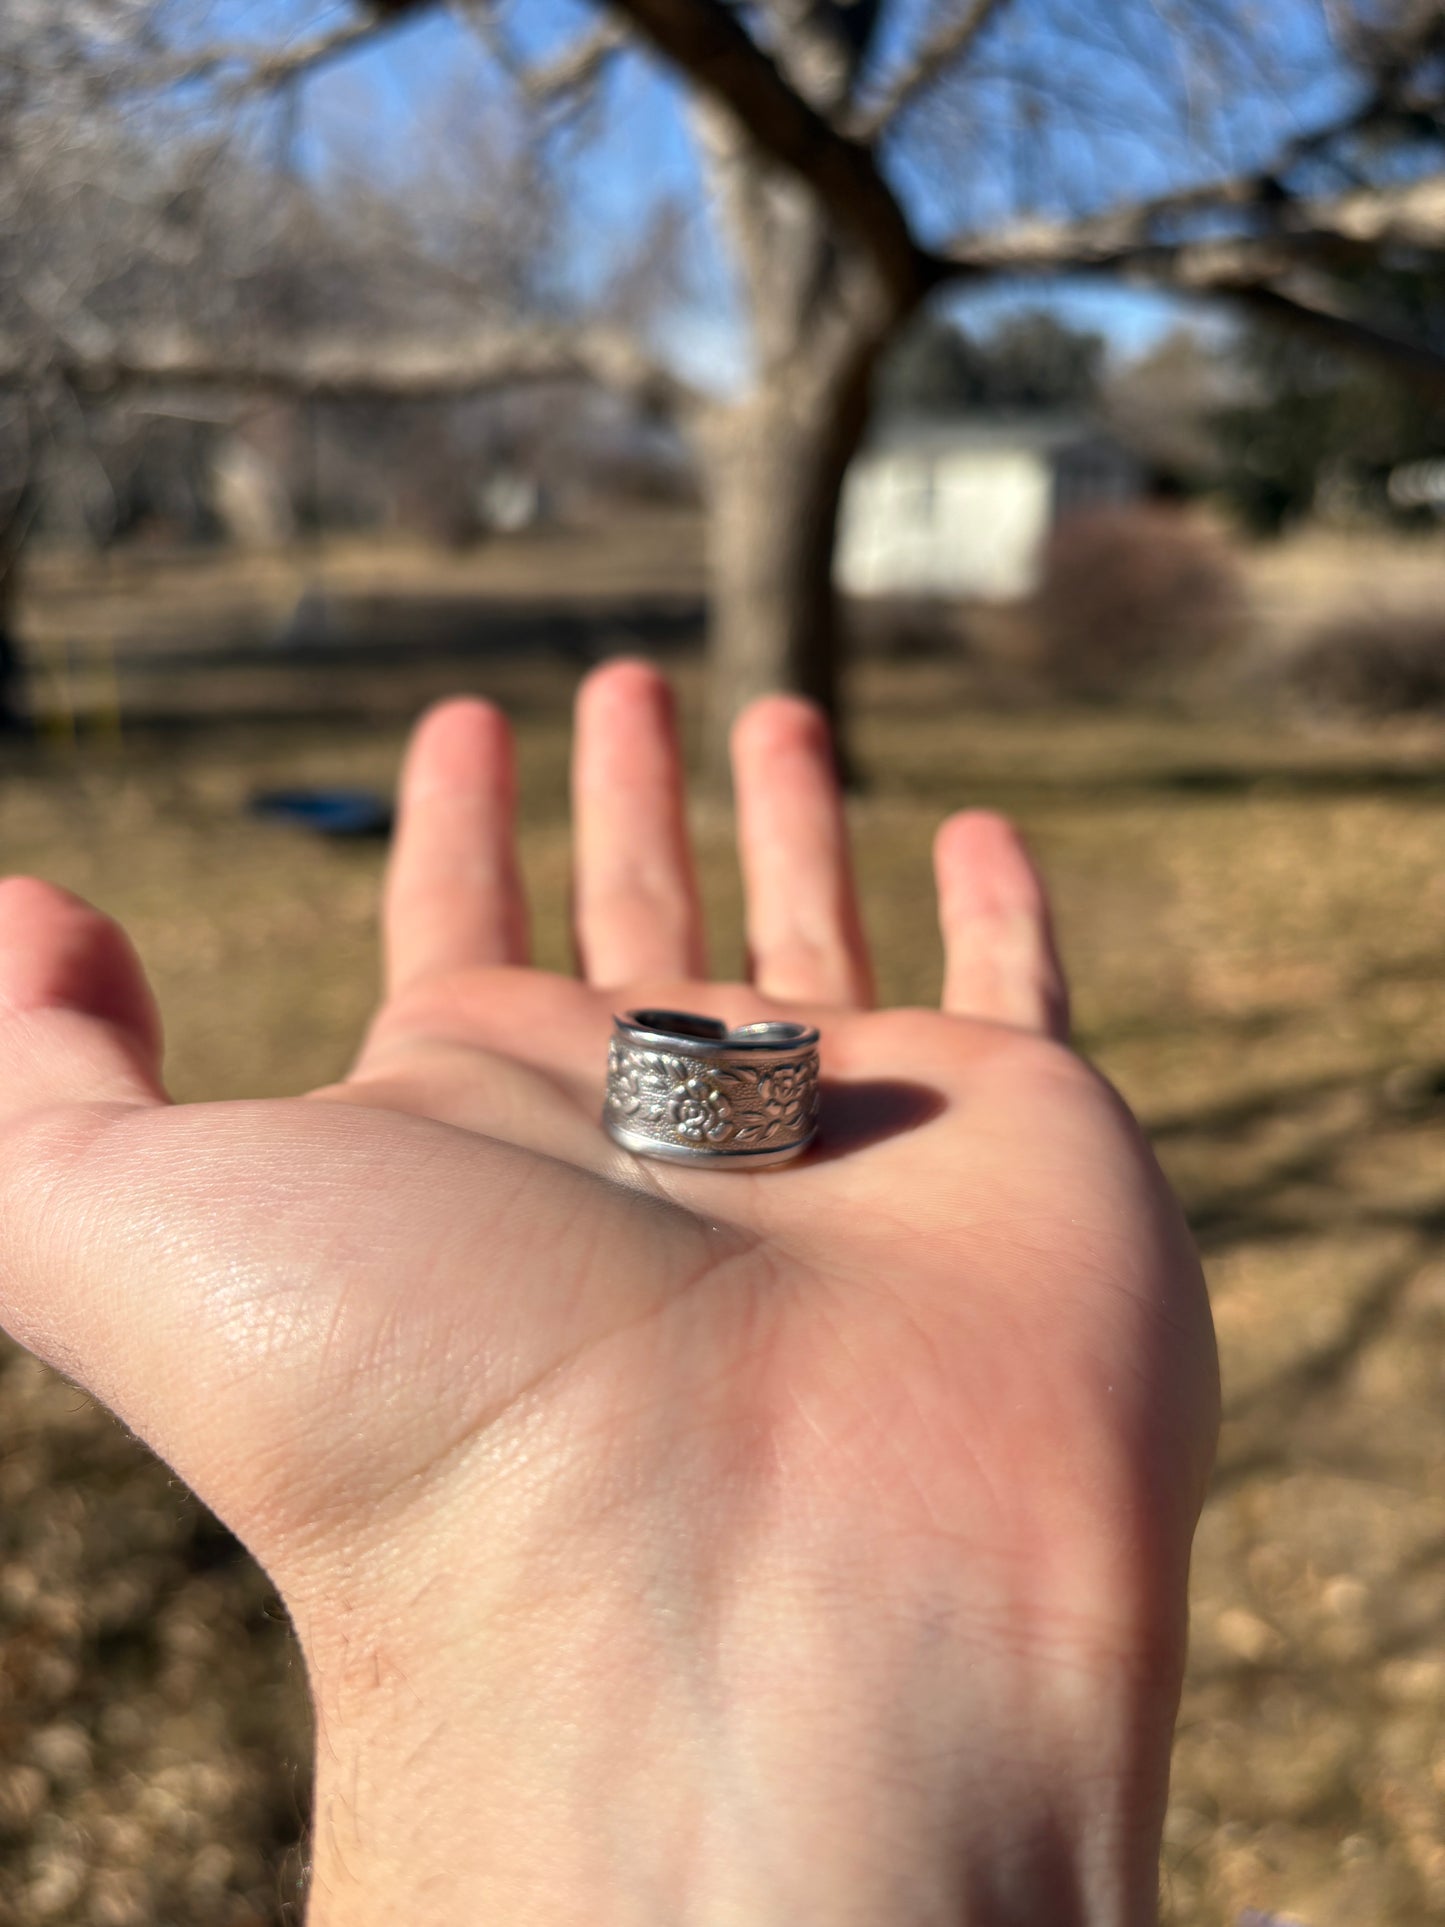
(1255, 922)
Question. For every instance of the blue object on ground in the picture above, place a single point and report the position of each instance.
(327, 812)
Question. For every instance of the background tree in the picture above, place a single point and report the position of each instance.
(862, 156)
(155, 241)
(1036, 360)
(1029, 360)
(1308, 428)
(935, 369)
(1167, 401)
(842, 138)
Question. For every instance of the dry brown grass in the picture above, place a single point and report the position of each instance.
(1255, 925)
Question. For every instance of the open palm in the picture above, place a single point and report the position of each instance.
(952, 1368)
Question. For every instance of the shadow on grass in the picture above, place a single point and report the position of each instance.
(1352, 779)
(1298, 1137)
(344, 634)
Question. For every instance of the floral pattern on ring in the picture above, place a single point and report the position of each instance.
(692, 1100)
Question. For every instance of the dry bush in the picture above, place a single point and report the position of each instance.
(1128, 592)
(1387, 664)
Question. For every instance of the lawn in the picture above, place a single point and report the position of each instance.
(1255, 921)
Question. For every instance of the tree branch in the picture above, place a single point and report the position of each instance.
(350, 371)
(575, 67)
(1315, 314)
(250, 71)
(572, 70)
(947, 47)
(706, 43)
(1269, 274)
(1287, 230)
(1412, 213)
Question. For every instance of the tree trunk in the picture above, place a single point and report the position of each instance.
(821, 307)
(774, 466)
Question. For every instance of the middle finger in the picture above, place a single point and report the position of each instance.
(805, 933)
(636, 910)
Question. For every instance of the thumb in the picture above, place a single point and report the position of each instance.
(80, 1044)
(78, 1023)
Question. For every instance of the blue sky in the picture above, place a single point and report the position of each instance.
(1112, 126)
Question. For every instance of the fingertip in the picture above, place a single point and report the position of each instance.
(626, 722)
(461, 712)
(458, 743)
(625, 682)
(983, 829)
(774, 725)
(986, 853)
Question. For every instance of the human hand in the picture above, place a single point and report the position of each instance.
(664, 1543)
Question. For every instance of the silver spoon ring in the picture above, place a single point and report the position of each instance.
(688, 1088)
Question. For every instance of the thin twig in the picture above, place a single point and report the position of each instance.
(943, 52)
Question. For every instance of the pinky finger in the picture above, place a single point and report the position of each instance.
(1001, 963)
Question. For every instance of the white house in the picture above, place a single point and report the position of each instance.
(962, 508)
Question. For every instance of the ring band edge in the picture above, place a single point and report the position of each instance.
(675, 1153)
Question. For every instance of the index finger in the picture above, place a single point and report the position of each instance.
(454, 896)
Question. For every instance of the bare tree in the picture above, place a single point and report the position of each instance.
(148, 251)
(813, 118)
(864, 154)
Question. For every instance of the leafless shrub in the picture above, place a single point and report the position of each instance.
(1128, 593)
(1387, 664)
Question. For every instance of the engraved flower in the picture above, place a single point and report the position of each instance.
(625, 1088)
(698, 1109)
(786, 1092)
(640, 1084)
